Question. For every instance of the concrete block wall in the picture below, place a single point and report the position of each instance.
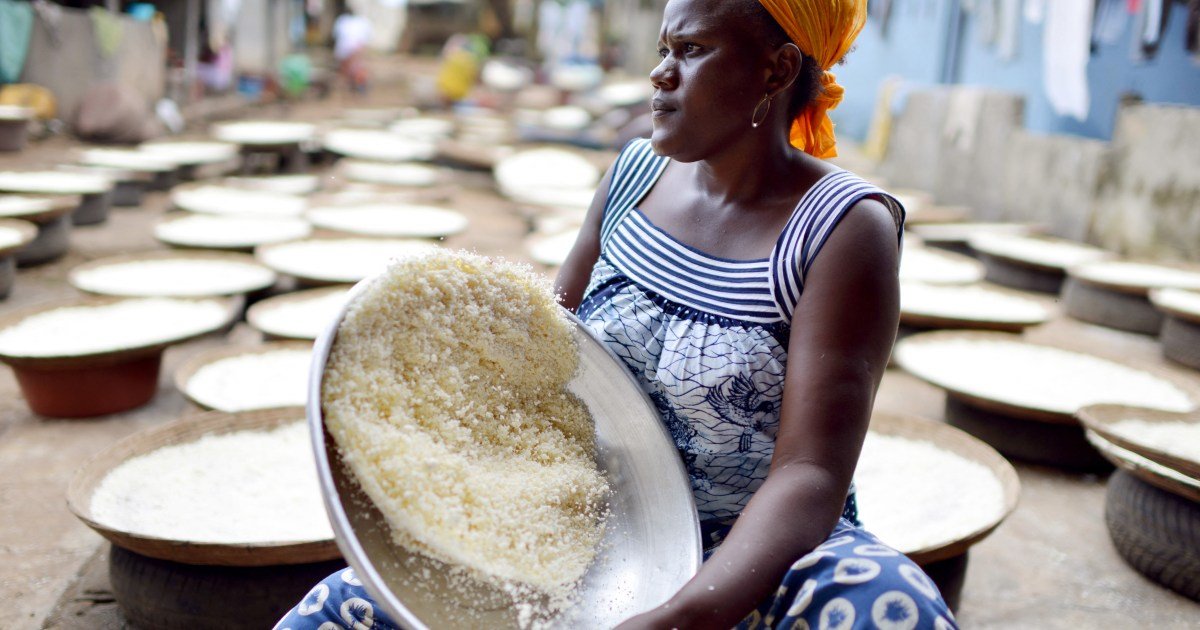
(1150, 205)
(1138, 195)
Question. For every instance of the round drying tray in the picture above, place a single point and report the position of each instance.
(38, 209)
(1032, 263)
(626, 93)
(410, 175)
(127, 159)
(1159, 436)
(922, 264)
(389, 220)
(504, 76)
(375, 115)
(88, 478)
(226, 200)
(423, 128)
(173, 274)
(112, 366)
(15, 234)
(264, 134)
(973, 307)
(1147, 470)
(552, 251)
(234, 379)
(547, 177)
(1114, 293)
(1180, 335)
(298, 315)
(192, 153)
(233, 232)
(470, 154)
(564, 118)
(337, 260)
(976, 526)
(380, 146)
(54, 183)
(1010, 376)
(933, 213)
(278, 184)
(576, 77)
(651, 545)
(956, 236)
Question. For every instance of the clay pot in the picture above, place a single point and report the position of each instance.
(85, 390)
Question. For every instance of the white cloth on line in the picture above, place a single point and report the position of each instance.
(1008, 29)
(1067, 46)
(1035, 11)
(350, 34)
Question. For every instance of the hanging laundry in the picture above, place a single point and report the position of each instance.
(881, 12)
(1035, 11)
(1066, 43)
(108, 29)
(1149, 24)
(984, 12)
(880, 132)
(16, 26)
(50, 15)
(1192, 34)
(1008, 29)
(1111, 18)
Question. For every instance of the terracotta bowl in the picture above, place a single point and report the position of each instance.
(95, 383)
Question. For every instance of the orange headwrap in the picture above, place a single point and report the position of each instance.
(823, 30)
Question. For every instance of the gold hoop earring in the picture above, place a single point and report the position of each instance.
(755, 120)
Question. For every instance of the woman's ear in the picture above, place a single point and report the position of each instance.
(785, 63)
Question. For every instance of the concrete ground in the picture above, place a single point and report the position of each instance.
(1050, 565)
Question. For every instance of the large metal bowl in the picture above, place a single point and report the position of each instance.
(651, 545)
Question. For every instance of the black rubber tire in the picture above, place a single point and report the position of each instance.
(160, 595)
(949, 575)
(1156, 532)
(1181, 341)
(1063, 446)
(1021, 277)
(8, 275)
(1111, 309)
(93, 210)
(51, 243)
(128, 194)
(957, 247)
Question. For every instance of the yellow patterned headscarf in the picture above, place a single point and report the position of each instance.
(823, 30)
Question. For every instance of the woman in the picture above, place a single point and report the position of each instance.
(752, 289)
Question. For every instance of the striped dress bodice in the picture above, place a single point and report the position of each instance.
(706, 336)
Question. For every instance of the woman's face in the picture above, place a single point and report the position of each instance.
(711, 76)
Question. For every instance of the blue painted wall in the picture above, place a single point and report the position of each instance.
(915, 48)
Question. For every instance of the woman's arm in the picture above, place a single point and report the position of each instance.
(573, 276)
(842, 333)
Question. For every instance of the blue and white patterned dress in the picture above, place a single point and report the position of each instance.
(707, 339)
(707, 336)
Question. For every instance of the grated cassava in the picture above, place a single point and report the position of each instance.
(254, 380)
(244, 487)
